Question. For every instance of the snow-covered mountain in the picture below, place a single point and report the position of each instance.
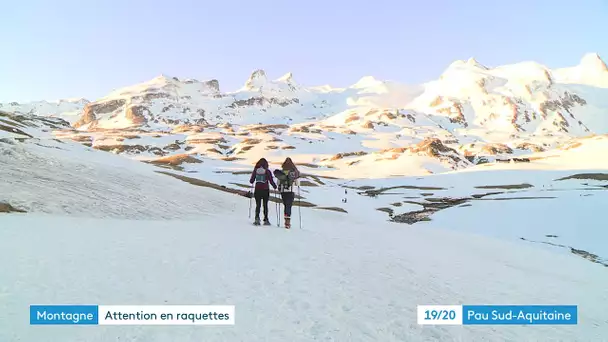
(77, 223)
(471, 114)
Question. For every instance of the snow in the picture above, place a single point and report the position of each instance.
(326, 281)
(104, 229)
(70, 179)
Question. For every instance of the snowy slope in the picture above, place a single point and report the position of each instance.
(104, 229)
(329, 281)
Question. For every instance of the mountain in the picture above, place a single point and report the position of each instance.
(471, 114)
(398, 204)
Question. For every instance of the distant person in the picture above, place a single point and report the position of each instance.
(287, 176)
(262, 177)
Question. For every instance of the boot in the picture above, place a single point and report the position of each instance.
(256, 222)
(287, 222)
(266, 222)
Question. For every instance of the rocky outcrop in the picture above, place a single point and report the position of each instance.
(136, 114)
(213, 85)
(494, 149)
(91, 110)
(433, 147)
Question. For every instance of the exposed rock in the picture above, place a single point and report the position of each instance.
(368, 125)
(433, 147)
(531, 147)
(135, 114)
(213, 85)
(92, 109)
(494, 149)
(7, 208)
(348, 154)
(352, 118)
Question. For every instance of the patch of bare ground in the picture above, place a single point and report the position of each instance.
(516, 198)
(338, 209)
(207, 141)
(242, 185)
(81, 138)
(188, 128)
(352, 118)
(506, 187)
(214, 150)
(174, 162)
(346, 154)
(582, 253)
(397, 204)
(130, 149)
(312, 166)
(432, 206)
(288, 147)
(7, 208)
(200, 182)
(13, 130)
(173, 147)
(587, 176)
(477, 196)
(271, 147)
(375, 192)
(307, 183)
(316, 178)
(413, 216)
(251, 141)
(232, 159)
(267, 128)
(386, 210)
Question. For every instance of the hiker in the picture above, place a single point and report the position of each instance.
(262, 176)
(287, 176)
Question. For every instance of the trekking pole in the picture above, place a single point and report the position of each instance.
(299, 206)
(250, 199)
(278, 209)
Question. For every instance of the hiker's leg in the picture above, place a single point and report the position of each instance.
(289, 197)
(258, 200)
(266, 197)
(284, 198)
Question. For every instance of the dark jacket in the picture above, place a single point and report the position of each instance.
(263, 186)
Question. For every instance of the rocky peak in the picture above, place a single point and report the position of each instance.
(592, 62)
(287, 78)
(257, 79)
(213, 85)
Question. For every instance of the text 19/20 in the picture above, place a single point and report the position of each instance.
(439, 315)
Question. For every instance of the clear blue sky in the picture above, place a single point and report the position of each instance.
(78, 48)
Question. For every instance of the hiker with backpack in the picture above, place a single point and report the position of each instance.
(287, 176)
(262, 177)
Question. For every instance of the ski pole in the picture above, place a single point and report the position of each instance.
(278, 207)
(299, 206)
(250, 199)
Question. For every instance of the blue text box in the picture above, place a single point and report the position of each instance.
(64, 314)
(520, 314)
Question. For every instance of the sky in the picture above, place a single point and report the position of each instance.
(86, 48)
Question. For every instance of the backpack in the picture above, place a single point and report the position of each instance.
(260, 175)
(285, 178)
